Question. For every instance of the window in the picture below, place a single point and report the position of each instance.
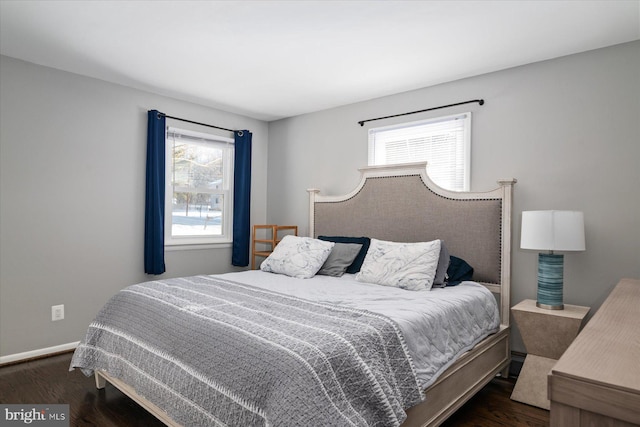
(198, 205)
(444, 142)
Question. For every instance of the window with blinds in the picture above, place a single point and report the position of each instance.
(444, 142)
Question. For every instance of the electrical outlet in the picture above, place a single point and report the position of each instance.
(57, 312)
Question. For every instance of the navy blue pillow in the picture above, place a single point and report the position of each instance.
(458, 271)
(364, 241)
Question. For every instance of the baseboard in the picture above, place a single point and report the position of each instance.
(37, 354)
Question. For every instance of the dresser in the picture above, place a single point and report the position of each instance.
(596, 382)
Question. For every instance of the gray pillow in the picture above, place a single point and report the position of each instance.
(443, 264)
(341, 257)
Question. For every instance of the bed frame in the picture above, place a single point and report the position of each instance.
(402, 204)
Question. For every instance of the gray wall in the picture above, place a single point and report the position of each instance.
(568, 129)
(72, 165)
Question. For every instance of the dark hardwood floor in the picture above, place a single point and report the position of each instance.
(48, 381)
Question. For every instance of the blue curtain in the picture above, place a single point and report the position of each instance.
(154, 198)
(241, 199)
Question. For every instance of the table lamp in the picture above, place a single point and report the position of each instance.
(552, 231)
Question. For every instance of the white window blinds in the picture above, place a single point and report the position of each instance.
(443, 142)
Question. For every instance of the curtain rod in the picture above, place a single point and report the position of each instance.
(479, 101)
(195, 123)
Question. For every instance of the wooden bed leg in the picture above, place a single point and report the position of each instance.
(100, 381)
(505, 372)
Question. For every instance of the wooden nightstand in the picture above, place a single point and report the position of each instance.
(546, 335)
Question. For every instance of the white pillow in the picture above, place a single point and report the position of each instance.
(410, 266)
(299, 257)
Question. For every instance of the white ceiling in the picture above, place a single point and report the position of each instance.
(275, 59)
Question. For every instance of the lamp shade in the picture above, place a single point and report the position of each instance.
(552, 230)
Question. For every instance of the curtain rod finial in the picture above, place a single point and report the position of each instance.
(481, 102)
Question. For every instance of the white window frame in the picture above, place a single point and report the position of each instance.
(177, 242)
(463, 143)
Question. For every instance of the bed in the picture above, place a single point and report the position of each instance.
(333, 350)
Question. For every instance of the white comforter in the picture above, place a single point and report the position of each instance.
(438, 325)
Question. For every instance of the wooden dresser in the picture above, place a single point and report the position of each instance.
(596, 382)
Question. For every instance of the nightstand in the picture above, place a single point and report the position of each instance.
(546, 335)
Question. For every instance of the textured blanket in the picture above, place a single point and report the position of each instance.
(215, 352)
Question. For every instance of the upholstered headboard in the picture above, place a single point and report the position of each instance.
(402, 204)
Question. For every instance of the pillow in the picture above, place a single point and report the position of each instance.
(299, 257)
(443, 265)
(410, 266)
(364, 241)
(341, 257)
(458, 271)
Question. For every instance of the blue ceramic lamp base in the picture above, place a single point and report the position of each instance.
(550, 272)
